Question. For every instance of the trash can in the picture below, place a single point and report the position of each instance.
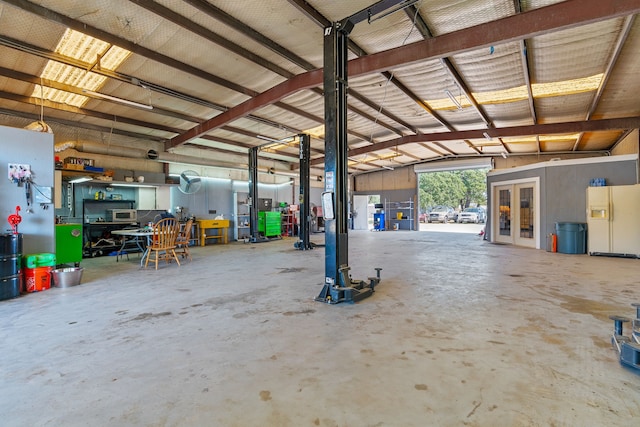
(571, 237)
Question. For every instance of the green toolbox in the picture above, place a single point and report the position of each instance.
(269, 224)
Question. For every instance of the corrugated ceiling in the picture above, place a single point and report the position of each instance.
(194, 60)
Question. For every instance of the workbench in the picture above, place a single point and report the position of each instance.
(220, 225)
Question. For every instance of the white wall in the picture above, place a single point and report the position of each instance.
(35, 149)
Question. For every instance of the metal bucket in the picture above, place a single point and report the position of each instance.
(66, 277)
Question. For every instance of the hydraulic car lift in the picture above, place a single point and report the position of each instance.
(628, 347)
(304, 234)
(255, 237)
(338, 285)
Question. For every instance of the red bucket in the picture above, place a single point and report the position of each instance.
(37, 279)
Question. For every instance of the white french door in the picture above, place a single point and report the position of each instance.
(516, 213)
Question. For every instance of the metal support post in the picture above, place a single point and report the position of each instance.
(304, 235)
(338, 285)
(253, 196)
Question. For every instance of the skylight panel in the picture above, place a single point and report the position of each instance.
(81, 47)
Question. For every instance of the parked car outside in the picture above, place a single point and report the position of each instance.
(423, 217)
(474, 215)
(441, 214)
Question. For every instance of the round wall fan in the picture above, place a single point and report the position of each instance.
(190, 182)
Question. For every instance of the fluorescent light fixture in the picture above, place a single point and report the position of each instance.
(486, 135)
(405, 4)
(387, 167)
(133, 184)
(80, 179)
(504, 155)
(453, 99)
(266, 138)
(119, 100)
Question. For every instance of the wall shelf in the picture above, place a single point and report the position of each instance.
(400, 215)
(241, 217)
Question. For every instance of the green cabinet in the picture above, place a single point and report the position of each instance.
(269, 223)
(68, 243)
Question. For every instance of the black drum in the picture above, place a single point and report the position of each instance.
(10, 244)
(10, 286)
(10, 264)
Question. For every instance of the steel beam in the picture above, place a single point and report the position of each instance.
(541, 129)
(555, 17)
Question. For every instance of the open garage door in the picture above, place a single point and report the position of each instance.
(453, 192)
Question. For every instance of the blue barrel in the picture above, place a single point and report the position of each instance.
(572, 237)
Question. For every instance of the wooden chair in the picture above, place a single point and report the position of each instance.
(163, 241)
(182, 244)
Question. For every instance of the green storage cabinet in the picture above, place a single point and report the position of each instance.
(68, 243)
(269, 223)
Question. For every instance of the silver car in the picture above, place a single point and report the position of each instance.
(474, 215)
(441, 214)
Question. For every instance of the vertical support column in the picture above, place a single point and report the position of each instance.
(253, 193)
(335, 115)
(304, 238)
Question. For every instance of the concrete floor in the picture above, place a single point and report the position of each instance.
(459, 332)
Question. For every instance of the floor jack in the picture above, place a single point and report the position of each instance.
(628, 347)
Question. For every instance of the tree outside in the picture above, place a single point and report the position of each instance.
(458, 189)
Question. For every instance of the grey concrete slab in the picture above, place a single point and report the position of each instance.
(459, 332)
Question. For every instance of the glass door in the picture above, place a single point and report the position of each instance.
(502, 221)
(516, 217)
(525, 215)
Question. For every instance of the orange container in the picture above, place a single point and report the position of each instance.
(37, 279)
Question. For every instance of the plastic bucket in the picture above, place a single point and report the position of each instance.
(37, 279)
(571, 237)
(65, 277)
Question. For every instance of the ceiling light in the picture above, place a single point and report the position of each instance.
(80, 179)
(119, 184)
(401, 6)
(486, 135)
(453, 99)
(504, 155)
(266, 138)
(119, 100)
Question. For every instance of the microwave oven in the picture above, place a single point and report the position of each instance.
(122, 215)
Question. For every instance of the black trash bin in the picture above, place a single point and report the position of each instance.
(571, 237)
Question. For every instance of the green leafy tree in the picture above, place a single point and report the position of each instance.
(475, 183)
(440, 188)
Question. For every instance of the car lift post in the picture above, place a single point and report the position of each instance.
(304, 237)
(253, 197)
(338, 285)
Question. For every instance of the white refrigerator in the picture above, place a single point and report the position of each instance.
(613, 219)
